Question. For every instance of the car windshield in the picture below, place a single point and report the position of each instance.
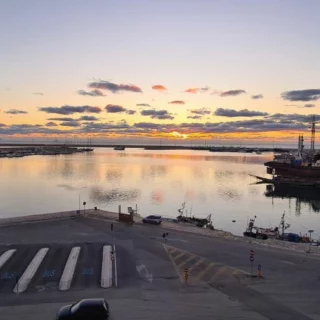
(163, 155)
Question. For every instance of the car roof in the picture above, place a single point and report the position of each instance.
(154, 216)
(91, 302)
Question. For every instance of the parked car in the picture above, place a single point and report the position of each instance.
(153, 219)
(85, 309)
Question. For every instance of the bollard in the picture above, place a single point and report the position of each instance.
(259, 271)
(111, 226)
(186, 275)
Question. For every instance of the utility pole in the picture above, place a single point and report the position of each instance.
(282, 225)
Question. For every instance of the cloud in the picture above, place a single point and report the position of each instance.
(2, 125)
(301, 95)
(232, 93)
(176, 102)
(93, 93)
(130, 112)
(74, 123)
(197, 90)
(309, 105)
(61, 119)
(143, 105)
(242, 113)
(37, 93)
(113, 108)
(201, 111)
(257, 96)
(159, 87)
(51, 124)
(113, 87)
(16, 111)
(194, 117)
(121, 126)
(293, 117)
(157, 114)
(70, 109)
(88, 118)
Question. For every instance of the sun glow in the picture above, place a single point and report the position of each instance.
(176, 134)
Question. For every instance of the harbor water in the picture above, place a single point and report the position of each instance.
(157, 182)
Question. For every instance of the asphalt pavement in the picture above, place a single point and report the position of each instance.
(149, 268)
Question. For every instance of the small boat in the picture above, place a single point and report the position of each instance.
(199, 222)
(119, 148)
(260, 233)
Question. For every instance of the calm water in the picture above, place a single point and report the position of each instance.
(157, 182)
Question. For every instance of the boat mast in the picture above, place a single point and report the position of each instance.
(313, 135)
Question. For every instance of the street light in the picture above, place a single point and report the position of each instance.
(310, 231)
(84, 207)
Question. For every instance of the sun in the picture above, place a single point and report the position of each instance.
(176, 134)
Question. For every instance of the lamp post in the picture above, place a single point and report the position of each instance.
(310, 231)
(84, 207)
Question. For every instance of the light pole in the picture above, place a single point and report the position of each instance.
(84, 207)
(310, 231)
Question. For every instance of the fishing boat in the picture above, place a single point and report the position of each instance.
(191, 219)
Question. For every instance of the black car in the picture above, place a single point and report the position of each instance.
(153, 219)
(86, 309)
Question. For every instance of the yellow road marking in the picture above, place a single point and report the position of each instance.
(196, 264)
(181, 254)
(174, 265)
(219, 272)
(209, 266)
(186, 261)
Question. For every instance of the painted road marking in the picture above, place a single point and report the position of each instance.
(106, 271)
(115, 266)
(6, 256)
(208, 268)
(179, 255)
(68, 272)
(196, 264)
(30, 271)
(184, 262)
(219, 273)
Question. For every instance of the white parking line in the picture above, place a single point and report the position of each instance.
(115, 266)
(6, 256)
(106, 271)
(68, 272)
(30, 271)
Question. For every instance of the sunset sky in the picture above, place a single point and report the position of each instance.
(124, 69)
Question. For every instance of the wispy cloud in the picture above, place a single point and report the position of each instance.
(159, 87)
(16, 111)
(201, 111)
(157, 114)
(309, 105)
(93, 93)
(65, 110)
(176, 102)
(51, 124)
(113, 87)
(195, 117)
(88, 118)
(37, 93)
(232, 93)
(301, 95)
(70, 124)
(61, 119)
(257, 96)
(143, 105)
(113, 108)
(231, 113)
(131, 112)
(197, 90)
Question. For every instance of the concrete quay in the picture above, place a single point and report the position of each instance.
(147, 271)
